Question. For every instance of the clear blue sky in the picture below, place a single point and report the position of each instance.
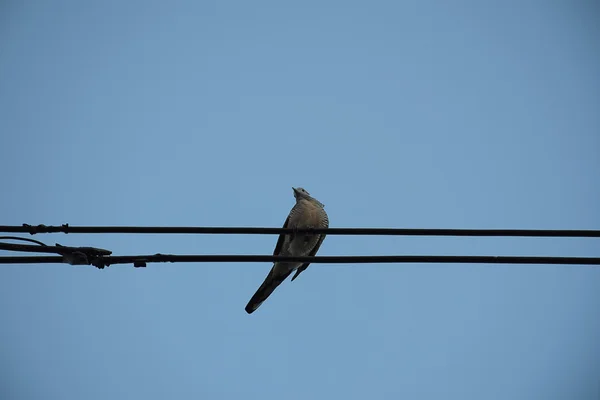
(393, 114)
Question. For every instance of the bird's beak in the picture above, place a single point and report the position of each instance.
(294, 189)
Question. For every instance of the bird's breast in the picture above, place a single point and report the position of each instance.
(309, 215)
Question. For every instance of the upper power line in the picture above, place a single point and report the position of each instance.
(66, 228)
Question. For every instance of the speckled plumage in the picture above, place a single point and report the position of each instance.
(308, 212)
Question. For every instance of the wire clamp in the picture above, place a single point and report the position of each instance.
(84, 255)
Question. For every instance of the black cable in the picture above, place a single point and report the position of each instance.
(70, 255)
(34, 229)
(58, 249)
(23, 239)
(141, 260)
(101, 258)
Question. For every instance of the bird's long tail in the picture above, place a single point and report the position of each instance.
(271, 282)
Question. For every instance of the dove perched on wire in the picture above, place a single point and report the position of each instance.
(308, 212)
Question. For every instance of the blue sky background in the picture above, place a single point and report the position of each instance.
(393, 114)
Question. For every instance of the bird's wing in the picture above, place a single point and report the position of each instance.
(311, 253)
(281, 238)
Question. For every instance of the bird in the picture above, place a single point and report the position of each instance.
(308, 212)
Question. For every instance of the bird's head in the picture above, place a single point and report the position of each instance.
(300, 193)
